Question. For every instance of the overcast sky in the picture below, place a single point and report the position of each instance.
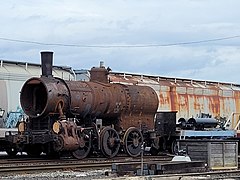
(128, 22)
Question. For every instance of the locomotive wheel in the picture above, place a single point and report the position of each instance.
(109, 142)
(11, 152)
(85, 145)
(174, 147)
(154, 151)
(34, 150)
(132, 141)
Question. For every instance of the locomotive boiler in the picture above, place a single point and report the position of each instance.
(84, 117)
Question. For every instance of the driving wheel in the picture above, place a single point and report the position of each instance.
(11, 151)
(34, 150)
(132, 141)
(109, 142)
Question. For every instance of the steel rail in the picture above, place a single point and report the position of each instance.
(63, 165)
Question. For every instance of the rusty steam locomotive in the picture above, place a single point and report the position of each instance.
(85, 117)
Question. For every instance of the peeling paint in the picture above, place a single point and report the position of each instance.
(189, 97)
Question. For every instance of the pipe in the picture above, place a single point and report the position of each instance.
(47, 63)
(101, 64)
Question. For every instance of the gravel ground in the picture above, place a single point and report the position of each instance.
(100, 174)
(60, 175)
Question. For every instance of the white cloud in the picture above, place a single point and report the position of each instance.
(100, 22)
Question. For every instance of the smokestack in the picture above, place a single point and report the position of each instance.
(47, 62)
(101, 64)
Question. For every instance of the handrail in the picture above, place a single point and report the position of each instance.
(230, 120)
(238, 122)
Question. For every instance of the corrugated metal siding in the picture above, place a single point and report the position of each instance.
(3, 99)
(188, 97)
(20, 74)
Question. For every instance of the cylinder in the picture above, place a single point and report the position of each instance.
(47, 62)
(203, 122)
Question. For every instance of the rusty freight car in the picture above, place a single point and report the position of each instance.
(191, 98)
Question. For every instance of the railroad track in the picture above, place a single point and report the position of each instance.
(14, 166)
(226, 174)
(20, 166)
(48, 167)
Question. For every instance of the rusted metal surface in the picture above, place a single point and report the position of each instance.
(41, 96)
(142, 105)
(189, 97)
(125, 105)
(99, 74)
(121, 105)
(67, 138)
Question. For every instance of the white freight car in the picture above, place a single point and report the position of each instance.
(12, 76)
